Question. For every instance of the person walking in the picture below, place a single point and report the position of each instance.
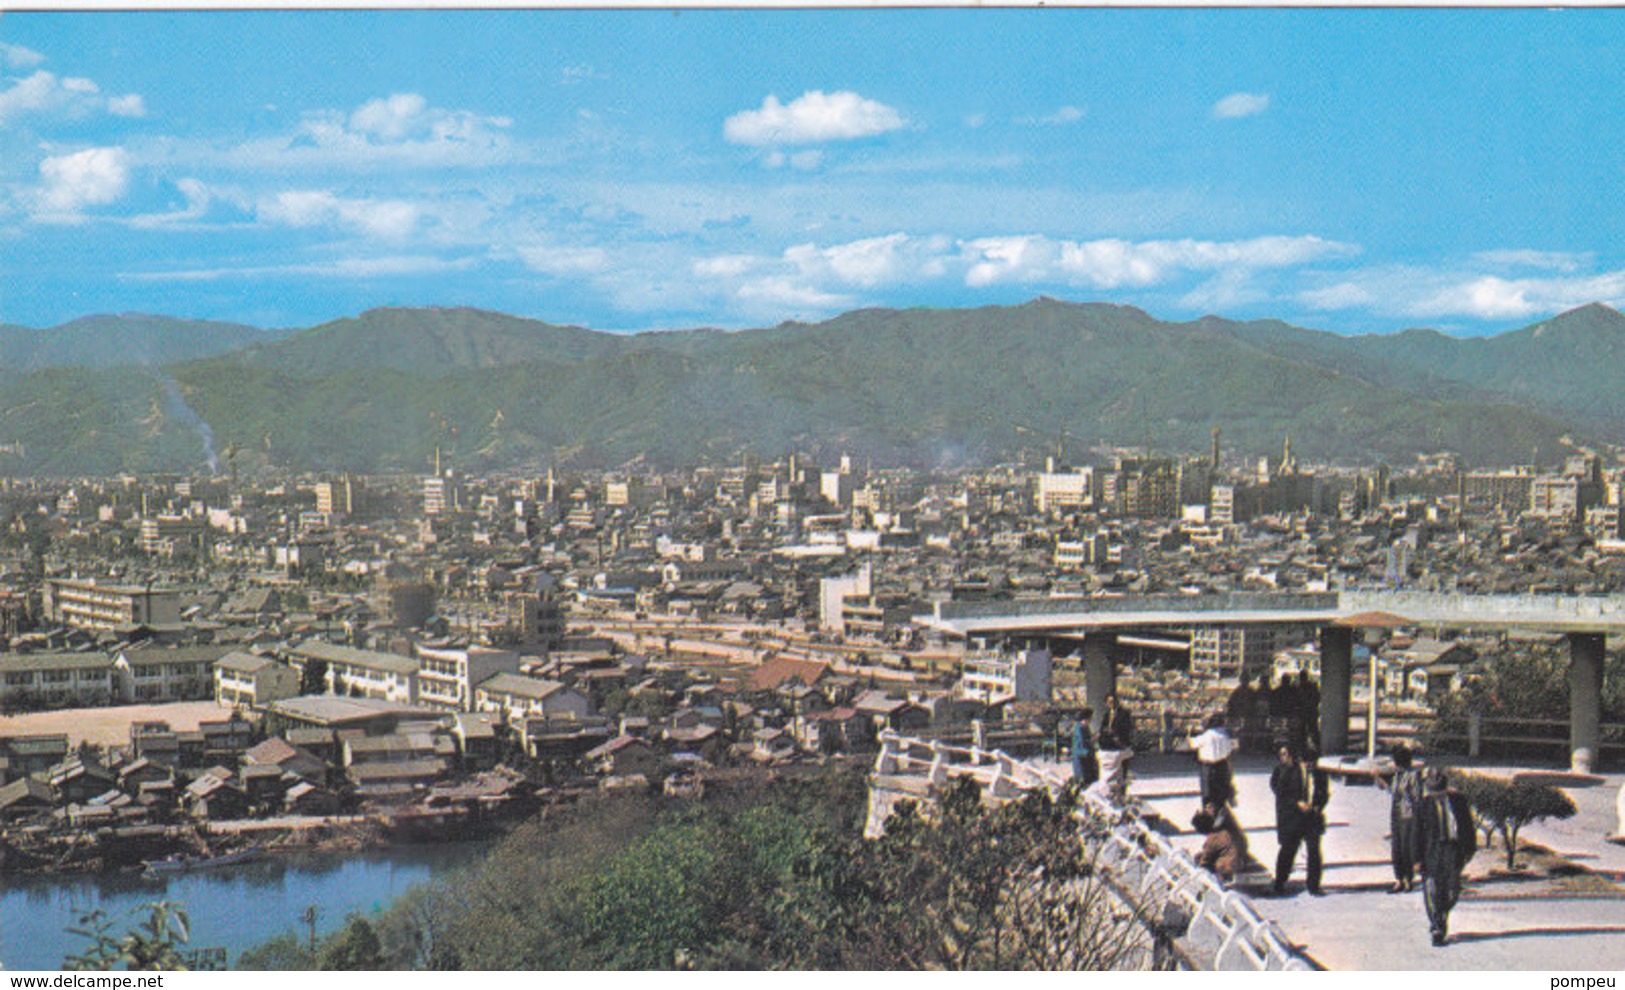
(1449, 840)
(1213, 747)
(1085, 765)
(1404, 822)
(1301, 792)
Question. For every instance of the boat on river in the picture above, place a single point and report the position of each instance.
(185, 863)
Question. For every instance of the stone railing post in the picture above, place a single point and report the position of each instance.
(939, 764)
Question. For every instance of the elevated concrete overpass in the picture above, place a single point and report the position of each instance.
(1585, 621)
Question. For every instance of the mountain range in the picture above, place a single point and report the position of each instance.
(928, 387)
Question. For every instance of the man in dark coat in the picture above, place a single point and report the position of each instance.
(1116, 747)
(1404, 821)
(1449, 840)
(1301, 792)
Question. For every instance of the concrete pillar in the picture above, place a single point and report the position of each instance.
(1099, 673)
(1585, 700)
(1336, 678)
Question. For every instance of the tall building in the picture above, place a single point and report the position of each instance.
(88, 605)
(1225, 651)
(1059, 489)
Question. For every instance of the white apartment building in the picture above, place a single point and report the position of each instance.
(1058, 490)
(992, 676)
(834, 591)
(447, 676)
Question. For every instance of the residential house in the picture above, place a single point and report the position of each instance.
(215, 796)
(25, 798)
(23, 756)
(528, 697)
(625, 756)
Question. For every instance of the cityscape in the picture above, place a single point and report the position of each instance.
(839, 510)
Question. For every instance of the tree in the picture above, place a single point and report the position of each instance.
(313, 678)
(354, 947)
(285, 952)
(1508, 806)
(154, 943)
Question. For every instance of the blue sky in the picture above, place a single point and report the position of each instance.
(1359, 171)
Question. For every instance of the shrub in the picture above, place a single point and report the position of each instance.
(1507, 806)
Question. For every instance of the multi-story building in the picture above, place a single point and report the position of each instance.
(525, 698)
(361, 673)
(832, 594)
(1060, 490)
(249, 681)
(56, 680)
(1507, 490)
(993, 676)
(447, 676)
(165, 535)
(159, 674)
(1226, 651)
(88, 605)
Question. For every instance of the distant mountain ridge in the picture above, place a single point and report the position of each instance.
(382, 390)
(112, 341)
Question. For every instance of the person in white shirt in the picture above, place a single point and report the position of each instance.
(1213, 747)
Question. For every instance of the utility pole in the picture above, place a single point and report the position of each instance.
(309, 918)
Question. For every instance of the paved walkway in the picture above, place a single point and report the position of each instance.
(1530, 920)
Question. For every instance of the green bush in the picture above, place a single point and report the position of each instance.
(1505, 807)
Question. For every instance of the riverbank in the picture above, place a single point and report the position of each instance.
(236, 907)
(35, 852)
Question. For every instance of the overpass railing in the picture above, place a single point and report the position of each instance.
(1214, 928)
(1241, 601)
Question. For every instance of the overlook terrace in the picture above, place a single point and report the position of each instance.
(1584, 620)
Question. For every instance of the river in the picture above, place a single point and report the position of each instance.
(235, 907)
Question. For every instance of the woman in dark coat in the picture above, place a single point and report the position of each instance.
(1404, 821)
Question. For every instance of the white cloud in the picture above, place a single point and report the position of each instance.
(726, 265)
(1241, 105)
(1114, 263)
(811, 118)
(69, 183)
(386, 219)
(401, 130)
(875, 261)
(42, 93)
(564, 261)
(199, 197)
(1425, 293)
(779, 292)
(1557, 261)
(823, 277)
(1492, 298)
(1065, 115)
(129, 105)
(18, 57)
(390, 119)
(393, 266)
(1339, 295)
